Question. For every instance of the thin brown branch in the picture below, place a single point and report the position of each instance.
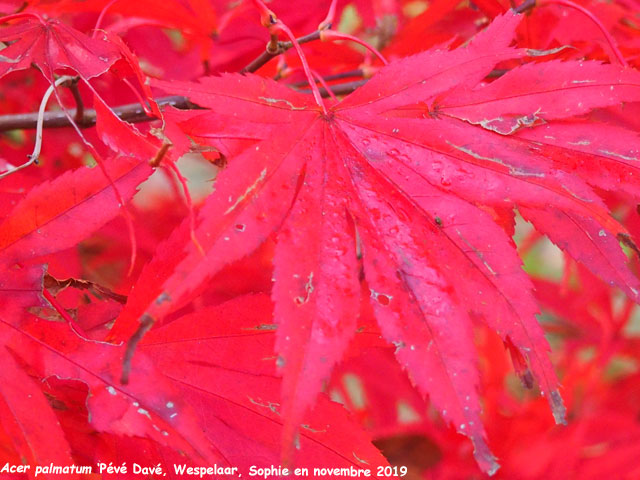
(265, 56)
(273, 47)
(131, 113)
(75, 91)
(340, 89)
(525, 6)
(146, 322)
(337, 76)
(134, 113)
(39, 125)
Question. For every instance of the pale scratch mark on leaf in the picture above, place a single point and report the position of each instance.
(477, 252)
(583, 81)
(541, 53)
(277, 100)
(576, 196)
(251, 188)
(619, 155)
(144, 412)
(270, 405)
(509, 125)
(512, 170)
(359, 459)
(263, 326)
(307, 427)
(308, 288)
(9, 60)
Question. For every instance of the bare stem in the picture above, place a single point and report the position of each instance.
(79, 113)
(146, 322)
(132, 113)
(273, 47)
(340, 89)
(336, 76)
(265, 56)
(33, 158)
(525, 6)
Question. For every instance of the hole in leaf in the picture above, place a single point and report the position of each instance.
(383, 299)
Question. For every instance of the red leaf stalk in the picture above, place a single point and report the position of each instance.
(330, 35)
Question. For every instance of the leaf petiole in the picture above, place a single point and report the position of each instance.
(33, 157)
(331, 35)
(305, 65)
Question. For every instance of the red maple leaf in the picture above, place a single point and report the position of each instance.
(53, 46)
(388, 216)
(397, 184)
(216, 363)
(83, 203)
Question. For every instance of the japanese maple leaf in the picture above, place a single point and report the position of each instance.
(58, 214)
(36, 439)
(192, 16)
(399, 184)
(53, 46)
(191, 361)
(20, 289)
